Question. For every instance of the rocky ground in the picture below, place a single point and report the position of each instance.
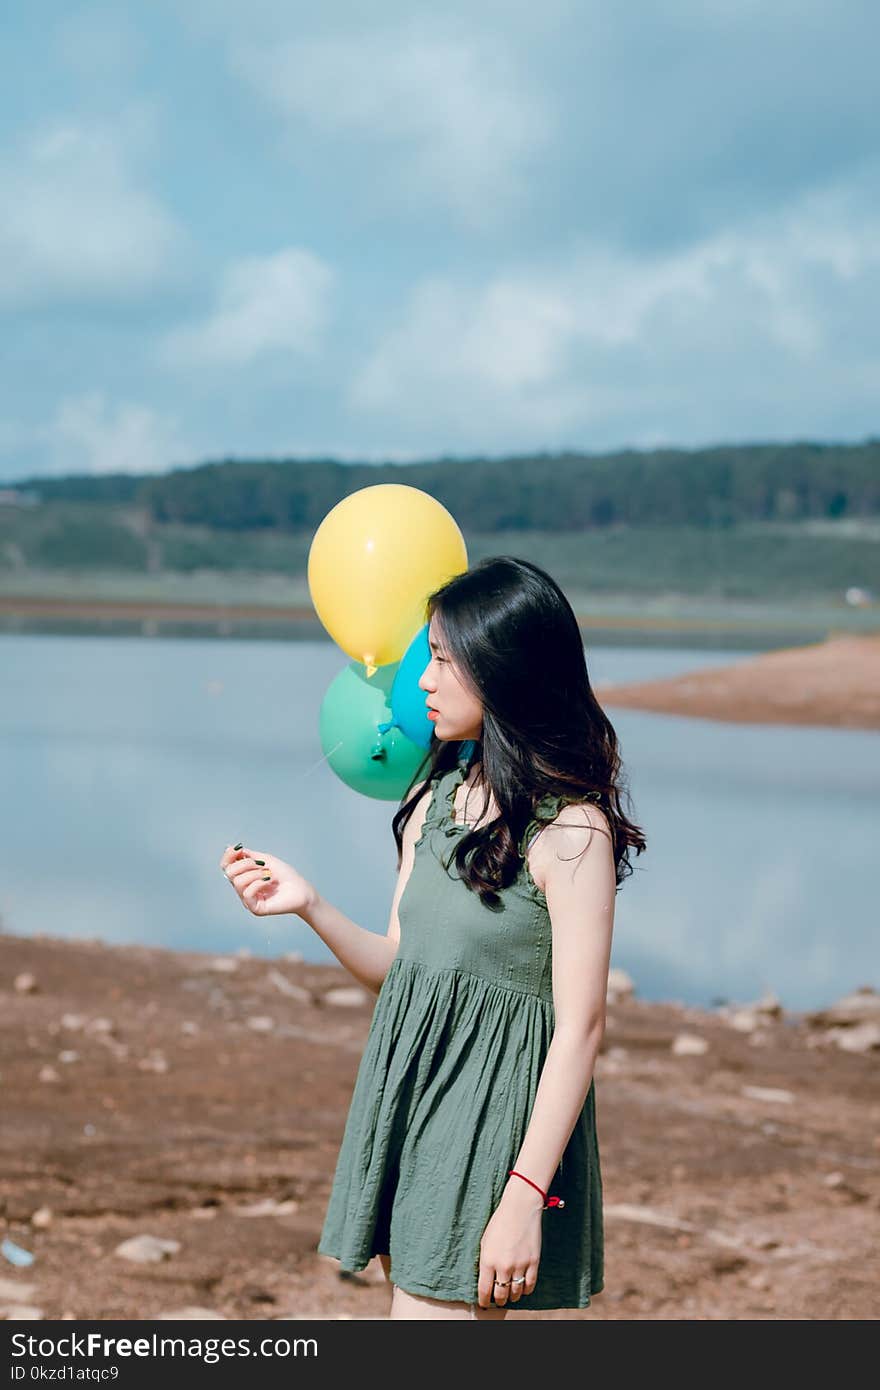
(171, 1122)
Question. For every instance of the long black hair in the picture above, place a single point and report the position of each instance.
(514, 639)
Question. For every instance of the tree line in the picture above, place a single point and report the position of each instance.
(715, 487)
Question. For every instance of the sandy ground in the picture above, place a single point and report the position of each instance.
(161, 1093)
(835, 682)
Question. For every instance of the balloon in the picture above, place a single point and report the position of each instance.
(374, 560)
(409, 711)
(377, 763)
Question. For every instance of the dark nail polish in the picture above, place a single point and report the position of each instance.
(266, 876)
(237, 846)
(261, 862)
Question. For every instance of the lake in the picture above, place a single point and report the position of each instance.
(128, 764)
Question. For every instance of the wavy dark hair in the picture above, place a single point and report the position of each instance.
(514, 639)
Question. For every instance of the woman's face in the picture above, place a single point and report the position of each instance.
(459, 714)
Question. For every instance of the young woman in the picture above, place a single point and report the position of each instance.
(470, 1159)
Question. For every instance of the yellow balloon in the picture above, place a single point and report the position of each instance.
(374, 560)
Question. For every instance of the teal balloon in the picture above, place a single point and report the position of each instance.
(409, 711)
(360, 741)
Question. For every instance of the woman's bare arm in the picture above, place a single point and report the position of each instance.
(579, 869)
(366, 954)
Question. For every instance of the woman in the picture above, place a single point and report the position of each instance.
(474, 1098)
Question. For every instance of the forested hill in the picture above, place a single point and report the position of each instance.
(721, 486)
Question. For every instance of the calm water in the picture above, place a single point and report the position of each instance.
(128, 764)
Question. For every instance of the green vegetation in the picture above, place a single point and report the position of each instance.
(724, 486)
(788, 523)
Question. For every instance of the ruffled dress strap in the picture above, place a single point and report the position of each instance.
(546, 809)
(443, 787)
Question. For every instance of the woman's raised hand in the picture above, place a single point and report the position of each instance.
(266, 885)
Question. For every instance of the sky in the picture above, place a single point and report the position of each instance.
(394, 231)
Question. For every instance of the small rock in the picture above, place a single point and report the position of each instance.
(838, 1182)
(101, 1026)
(68, 1056)
(772, 1094)
(268, 1207)
(620, 986)
(48, 1073)
(26, 983)
(743, 1020)
(21, 1312)
(287, 987)
(768, 1005)
(863, 1037)
(188, 1026)
(206, 1213)
(346, 996)
(261, 1023)
(190, 1313)
(155, 1062)
(689, 1045)
(147, 1249)
(42, 1218)
(760, 1038)
(12, 1291)
(835, 1179)
(15, 1254)
(72, 1022)
(860, 1006)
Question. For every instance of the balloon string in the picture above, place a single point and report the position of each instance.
(307, 772)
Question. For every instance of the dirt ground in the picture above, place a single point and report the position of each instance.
(835, 682)
(201, 1100)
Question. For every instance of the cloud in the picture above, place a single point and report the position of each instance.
(74, 222)
(606, 338)
(449, 121)
(88, 434)
(266, 304)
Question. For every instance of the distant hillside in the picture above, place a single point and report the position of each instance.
(718, 487)
(767, 523)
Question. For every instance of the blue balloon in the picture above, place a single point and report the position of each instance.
(408, 708)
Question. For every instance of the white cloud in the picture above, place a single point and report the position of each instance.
(276, 303)
(74, 223)
(604, 335)
(89, 435)
(448, 121)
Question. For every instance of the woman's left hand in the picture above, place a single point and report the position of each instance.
(511, 1246)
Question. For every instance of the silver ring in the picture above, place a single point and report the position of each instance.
(520, 1280)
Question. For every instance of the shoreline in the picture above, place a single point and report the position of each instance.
(832, 684)
(828, 680)
(200, 1100)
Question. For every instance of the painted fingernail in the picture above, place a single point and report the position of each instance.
(237, 846)
(267, 876)
(261, 862)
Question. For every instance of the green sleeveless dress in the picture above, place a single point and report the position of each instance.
(446, 1085)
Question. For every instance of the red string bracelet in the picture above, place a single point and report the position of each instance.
(548, 1201)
